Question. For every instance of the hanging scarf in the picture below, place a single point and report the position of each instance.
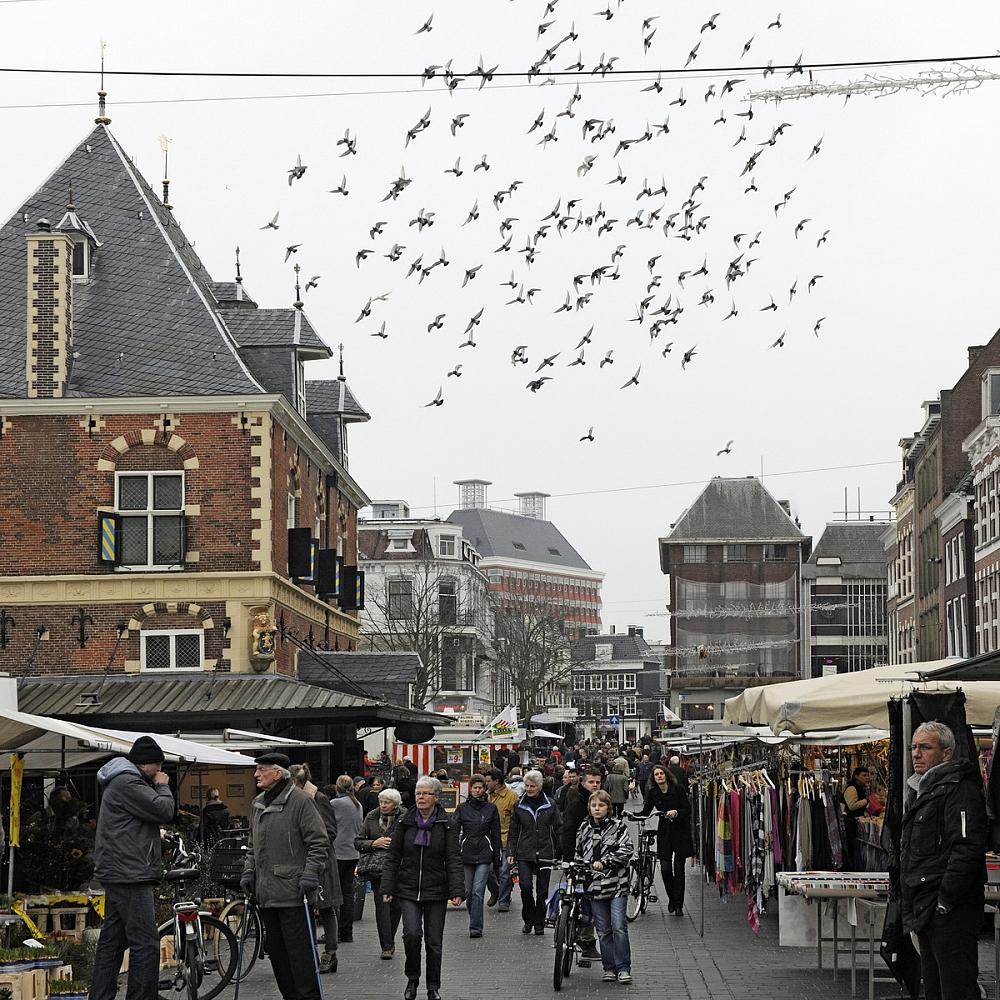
(424, 826)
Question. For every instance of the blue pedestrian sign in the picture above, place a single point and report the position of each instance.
(614, 720)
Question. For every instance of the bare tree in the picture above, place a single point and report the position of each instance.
(414, 607)
(532, 649)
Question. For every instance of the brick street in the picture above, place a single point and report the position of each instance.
(669, 958)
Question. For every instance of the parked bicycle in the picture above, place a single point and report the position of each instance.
(641, 868)
(198, 953)
(226, 868)
(568, 917)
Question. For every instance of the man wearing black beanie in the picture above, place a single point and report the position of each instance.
(127, 851)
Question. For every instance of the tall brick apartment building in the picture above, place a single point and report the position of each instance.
(946, 595)
(179, 523)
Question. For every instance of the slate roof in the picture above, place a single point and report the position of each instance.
(859, 546)
(149, 320)
(735, 510)
(494, 533)
(623, 647)
(334, 396)
(208, 698)
(385, 675)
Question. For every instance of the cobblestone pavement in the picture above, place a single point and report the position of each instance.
(669, 959)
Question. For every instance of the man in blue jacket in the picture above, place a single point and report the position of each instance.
(943, 863)
(127, 852)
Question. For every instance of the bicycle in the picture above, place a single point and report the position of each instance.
(568, 917)
(226, 868)
(641, 869)
(198, 954)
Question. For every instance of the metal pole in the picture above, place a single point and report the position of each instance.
(247, 904)
(312, 941)
(701, 827)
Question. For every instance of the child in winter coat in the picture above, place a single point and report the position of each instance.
(604, 844)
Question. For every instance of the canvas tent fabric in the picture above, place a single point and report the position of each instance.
(842, 701)
(54, 743)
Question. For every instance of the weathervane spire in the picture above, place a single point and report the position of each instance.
(165, 146)
(298, 289)
(102, 117)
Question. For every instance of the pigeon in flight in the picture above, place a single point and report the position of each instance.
(426, 26)
(313, 281)
(297, 171)
(726, 450)
(273, 224)
(438, 400)
(456, 371)
(780, 342)
(535, 384)
(341, 188)
(380, 332)
(294, 248)
(589, 436)
(607, 359)
(634, 380)
(437, 323)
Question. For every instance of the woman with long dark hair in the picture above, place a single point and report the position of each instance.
(674, 844)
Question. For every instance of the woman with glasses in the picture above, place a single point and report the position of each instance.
(424, 870)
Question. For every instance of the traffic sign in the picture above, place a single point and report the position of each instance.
(614, 720)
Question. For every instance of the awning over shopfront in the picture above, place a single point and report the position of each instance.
(51, 744)
(843, 701)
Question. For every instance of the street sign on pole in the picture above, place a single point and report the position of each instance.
(614, 720)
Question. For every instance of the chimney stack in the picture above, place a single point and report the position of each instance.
(472, 493)
(532, 504)
(50, 312)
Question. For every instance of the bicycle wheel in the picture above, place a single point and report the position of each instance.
(571, 932)
(253, 943)
(203, 974)
(562, 947)
(193, 962)
(636, 891)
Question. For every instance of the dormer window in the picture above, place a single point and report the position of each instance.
(84, 243)
(991, 392)
(81, 260)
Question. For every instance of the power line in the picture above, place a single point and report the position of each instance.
(796, 68)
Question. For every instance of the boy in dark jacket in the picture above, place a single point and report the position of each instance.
(478, 823)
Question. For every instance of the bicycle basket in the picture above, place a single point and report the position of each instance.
(228, 858)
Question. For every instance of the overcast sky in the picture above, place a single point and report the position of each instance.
(903, 188)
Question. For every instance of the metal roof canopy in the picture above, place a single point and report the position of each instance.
(207, 700)
(985, 667)
(248, 741)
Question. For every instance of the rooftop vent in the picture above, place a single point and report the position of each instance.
(532, 504)
(472, 493)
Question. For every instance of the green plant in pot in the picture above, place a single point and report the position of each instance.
(68, 988)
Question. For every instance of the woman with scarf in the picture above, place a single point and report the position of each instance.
(534, 842)
(424, 870)
(674, 844)
(478, 822)
(603, 843)
(373, 842)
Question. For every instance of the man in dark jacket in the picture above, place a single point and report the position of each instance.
(574, 815)
(943, 863)
(288, 851)
(137, 801)
(366, 795)
(478, 823)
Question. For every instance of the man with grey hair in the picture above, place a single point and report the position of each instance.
(287, 854)
(943, 863)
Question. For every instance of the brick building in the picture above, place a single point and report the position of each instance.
(179, 517)
(941, 462)
(734, 559)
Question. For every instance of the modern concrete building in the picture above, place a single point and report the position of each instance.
(844, 589)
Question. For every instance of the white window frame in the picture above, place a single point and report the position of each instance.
(629, 705)
(613, 682)
(446, 545)
(579, 682)
(150, 514)
(628, 682)
(172, 635)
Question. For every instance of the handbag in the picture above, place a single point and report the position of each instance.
(372, 863)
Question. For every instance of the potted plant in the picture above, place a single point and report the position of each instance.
(49, 956)
(14, 960)
(69, 989)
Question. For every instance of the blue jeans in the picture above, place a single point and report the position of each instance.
(534, 883)
(423, 922)
(475, 887)
(503, 887)
(612, 931)
(129, 924)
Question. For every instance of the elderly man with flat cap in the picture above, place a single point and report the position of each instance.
(286, 855)
(137, 800)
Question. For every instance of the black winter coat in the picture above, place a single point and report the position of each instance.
(424, 873)
(535, 830)
(574, 814)
(943, 843)
(672, 836)
(478, 823)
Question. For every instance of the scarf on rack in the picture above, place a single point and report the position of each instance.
(424, 826)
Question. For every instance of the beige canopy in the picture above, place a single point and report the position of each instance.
(840, 701)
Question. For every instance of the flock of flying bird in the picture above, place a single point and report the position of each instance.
(617, 211)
